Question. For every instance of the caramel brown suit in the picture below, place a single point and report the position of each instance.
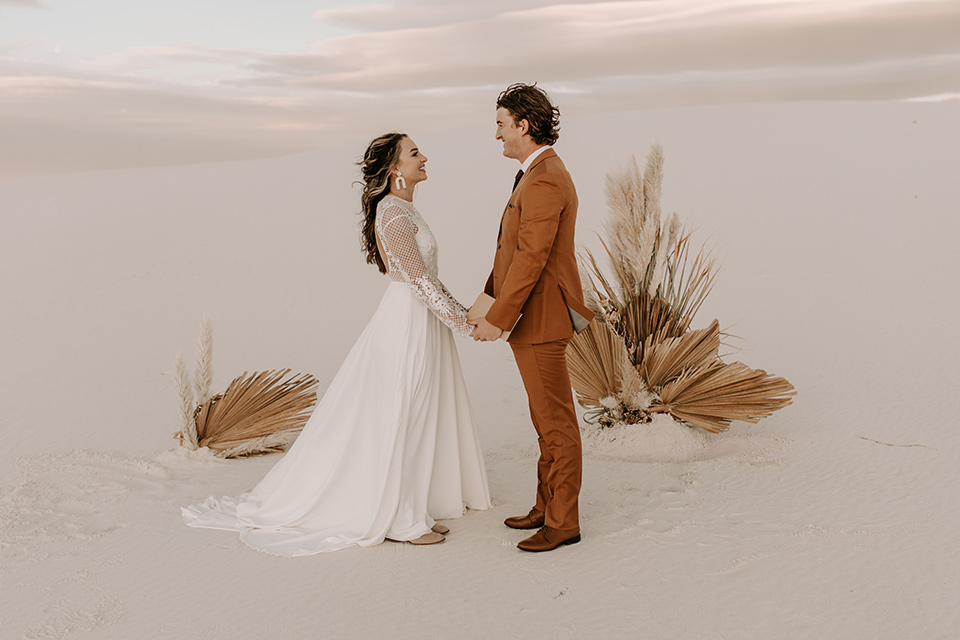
(538, 294)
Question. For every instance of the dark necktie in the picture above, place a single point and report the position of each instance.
(516, 180)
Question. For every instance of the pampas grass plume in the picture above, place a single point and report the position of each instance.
(188, 425)
(627, 197)
(653, 182)
(204, 375)
(675, 228)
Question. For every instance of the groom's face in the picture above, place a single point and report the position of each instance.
(510, 133)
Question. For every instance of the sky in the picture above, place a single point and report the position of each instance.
(107, 83)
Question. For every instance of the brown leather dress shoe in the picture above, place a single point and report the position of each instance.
(547, 539)
(533, 520)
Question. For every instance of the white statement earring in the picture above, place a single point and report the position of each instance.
(401, 183)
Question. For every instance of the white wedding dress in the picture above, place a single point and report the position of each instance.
(393, 443)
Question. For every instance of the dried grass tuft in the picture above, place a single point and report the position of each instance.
(639, 355)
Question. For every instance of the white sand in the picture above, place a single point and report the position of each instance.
(835, 518)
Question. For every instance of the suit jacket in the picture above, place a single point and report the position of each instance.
(535, 279)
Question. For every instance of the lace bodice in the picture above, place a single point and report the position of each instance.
(411, 256)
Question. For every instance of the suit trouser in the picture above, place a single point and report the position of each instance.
(543, 368)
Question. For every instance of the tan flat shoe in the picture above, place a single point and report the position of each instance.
(441, 529)
(428, 538)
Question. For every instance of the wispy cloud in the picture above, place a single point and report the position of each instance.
(392, 16)
(36, 4)
(573, 42)
(12, 48)
(423, 64)
(131, 59)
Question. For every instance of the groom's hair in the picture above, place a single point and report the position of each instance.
(531, 103)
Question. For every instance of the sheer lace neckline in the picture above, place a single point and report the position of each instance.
(399, 199)
(409, 249)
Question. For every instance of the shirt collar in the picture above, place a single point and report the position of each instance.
(533, 156)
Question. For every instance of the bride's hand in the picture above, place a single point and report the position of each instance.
(484, 331)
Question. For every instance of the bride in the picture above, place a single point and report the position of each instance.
(393, 445)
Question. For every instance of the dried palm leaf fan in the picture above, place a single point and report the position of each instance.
(639, 355)
(259, 413)
(712, 396)
(695, 386)
(595, 361)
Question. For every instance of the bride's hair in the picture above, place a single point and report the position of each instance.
(381, 156)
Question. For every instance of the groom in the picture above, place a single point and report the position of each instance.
(539, 297)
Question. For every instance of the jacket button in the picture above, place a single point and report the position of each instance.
(498, 246)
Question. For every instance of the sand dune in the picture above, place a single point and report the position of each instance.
(835, 518)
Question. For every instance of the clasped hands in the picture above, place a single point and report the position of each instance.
(483, 331)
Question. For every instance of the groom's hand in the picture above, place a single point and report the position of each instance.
(483, 331)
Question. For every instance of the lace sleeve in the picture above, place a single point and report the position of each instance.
(403, 253)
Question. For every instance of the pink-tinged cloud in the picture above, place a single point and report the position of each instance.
(579, 42)
(137, 58)
(592, 57)
(36, 4)
(392, 16)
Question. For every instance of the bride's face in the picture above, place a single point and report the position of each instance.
(411, 163)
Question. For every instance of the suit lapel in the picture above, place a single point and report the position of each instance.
(549, 153)
(515, 194)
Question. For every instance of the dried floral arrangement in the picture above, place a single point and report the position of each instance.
(639, 356)
(259, 413)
